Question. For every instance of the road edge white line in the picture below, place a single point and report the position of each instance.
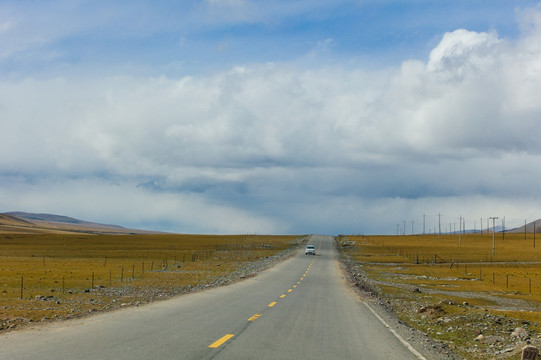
(404, 342)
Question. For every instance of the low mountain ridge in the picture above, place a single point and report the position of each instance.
(23, 222)
(13, 220)
(530, 227)
(56, 219)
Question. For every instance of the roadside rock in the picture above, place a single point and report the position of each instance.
(520, 333)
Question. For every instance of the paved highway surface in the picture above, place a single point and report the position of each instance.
(300, 309)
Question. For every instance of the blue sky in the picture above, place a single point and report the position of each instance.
(187, 37)
(238, 116)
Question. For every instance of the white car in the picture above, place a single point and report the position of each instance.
(310, 250)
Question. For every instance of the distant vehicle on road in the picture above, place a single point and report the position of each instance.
(310, 250)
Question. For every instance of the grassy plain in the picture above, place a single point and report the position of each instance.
(455, 289)
(56, 276)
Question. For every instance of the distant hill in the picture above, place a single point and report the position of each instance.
(56, 219)
(529, 227)
(13, 220)
(23, 222)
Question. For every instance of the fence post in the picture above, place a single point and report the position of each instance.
(92, 281)
(22, 286)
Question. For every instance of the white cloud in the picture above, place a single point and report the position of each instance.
(274, 147)
(462, 53)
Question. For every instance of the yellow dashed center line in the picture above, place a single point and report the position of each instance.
(220, 341)
(225, 338)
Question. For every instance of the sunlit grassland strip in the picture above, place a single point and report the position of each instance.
(44, 276)
(446, 248)
(443, 262)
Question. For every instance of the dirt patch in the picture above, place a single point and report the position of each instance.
(431, 310)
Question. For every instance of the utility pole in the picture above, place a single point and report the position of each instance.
(411, 227)
(503, 228)
(397, 228)
(404, 228)
(460, 231)
(493, 234)
(439, 224)
(525, 229)
(424, 218)
(481, 226)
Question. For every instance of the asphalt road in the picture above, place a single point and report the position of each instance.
(300, 309)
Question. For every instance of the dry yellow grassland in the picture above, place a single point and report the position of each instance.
(456, 289)
(57, 276)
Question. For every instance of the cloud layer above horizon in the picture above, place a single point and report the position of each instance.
(324, 141)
